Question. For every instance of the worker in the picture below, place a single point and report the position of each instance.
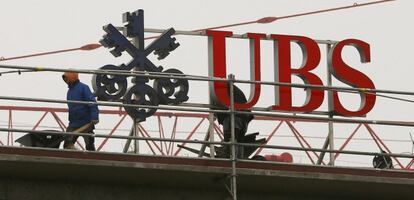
(82, 117)
(241, 121)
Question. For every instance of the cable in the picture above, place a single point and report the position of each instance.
(334, 9)
(393, 98)
(267, 20)
(87, 47)
(16, 71)
(264, 20)
(376, 94)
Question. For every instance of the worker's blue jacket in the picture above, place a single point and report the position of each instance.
(81, 114)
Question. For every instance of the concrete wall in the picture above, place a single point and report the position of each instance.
(41, 174)
(58, 190)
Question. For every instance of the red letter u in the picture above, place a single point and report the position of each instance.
(217, 67)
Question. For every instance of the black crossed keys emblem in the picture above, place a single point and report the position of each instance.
(114, 87)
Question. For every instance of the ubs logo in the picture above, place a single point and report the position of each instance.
(114, 87)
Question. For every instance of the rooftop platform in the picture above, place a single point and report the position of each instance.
(54, 171)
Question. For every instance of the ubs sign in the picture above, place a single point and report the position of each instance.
(170, 91)
(284, 72)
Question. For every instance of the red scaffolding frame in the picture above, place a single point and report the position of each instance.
(168, 148)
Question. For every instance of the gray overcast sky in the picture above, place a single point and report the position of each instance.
(37, 26)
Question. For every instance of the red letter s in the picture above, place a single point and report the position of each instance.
(352, 77)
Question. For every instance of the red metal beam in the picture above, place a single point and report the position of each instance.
(166, 114)
(173, 133)
(170, 147)
(40, 120)
(300, 142)
(378, 139)
(60, 123)
(111, 133)
(101, 111)
(190, 135)
(145, 132)
(146, 141)
(162, 135)
(410, 164)
(269, 137)
(63, 127)
(219, 131)
(347, 140)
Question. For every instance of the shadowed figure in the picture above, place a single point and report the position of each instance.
(241, 122)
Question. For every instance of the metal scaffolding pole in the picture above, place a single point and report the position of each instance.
(233, 141)
(211, 133)
(330, 138)
(331, 111)
(136, 134)
(128, 141)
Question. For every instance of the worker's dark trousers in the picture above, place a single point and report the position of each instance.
(240, 129)
(89, 140)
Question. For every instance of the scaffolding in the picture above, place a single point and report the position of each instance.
(164, 145)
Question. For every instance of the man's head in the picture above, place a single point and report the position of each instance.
(70, 77)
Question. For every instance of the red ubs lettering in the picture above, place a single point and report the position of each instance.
(284, 72)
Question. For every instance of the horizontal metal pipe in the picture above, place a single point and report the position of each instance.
(116, 72)
(206, 142)
(109, 136)
(332, 88)
(326, 150)
(256, 109)
(270, 114)
(118, 112)
(162, 107)
(206, 78)
(326, 119)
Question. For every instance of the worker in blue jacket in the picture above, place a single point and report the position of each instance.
(82, 117)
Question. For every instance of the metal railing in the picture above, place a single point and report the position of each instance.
(203, 108)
